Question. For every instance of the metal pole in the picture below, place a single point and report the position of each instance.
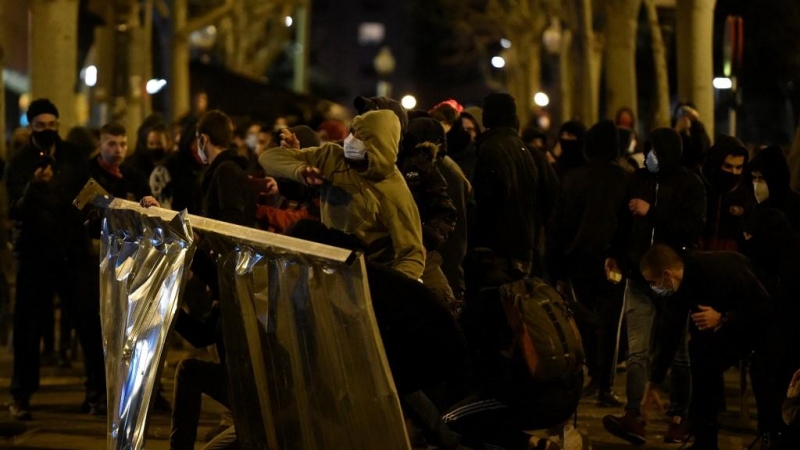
(301, 48)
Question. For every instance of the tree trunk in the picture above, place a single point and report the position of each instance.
(302, 46)
(179, 85)
(588, 76)
(620, 55)
(53, 55)
(695, 28)
(2, 92)
(565, 64)
(104, 49)
(661, 118)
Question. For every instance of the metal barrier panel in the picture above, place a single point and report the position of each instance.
(305, 359)
(144, 261)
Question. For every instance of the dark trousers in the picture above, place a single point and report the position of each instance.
(193, 378)
(597, 317)
(76, 282)
(773, 365)
(711, 353)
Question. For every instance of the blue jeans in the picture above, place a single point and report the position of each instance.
(640, 314)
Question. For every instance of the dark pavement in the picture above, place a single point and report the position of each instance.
(59, 425)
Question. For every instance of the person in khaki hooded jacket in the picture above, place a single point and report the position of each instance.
(361, 190)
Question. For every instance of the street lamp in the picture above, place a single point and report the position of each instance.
(90, 76)
(384, 64)
(722, 83)
(498, 62)
(409, 102)
(541, 99)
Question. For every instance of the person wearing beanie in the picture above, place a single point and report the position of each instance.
(54, 256)
(771, 184)
(730, 199)
(505, 187)
(585, 221)
(665, 204)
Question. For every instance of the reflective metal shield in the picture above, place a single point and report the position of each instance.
(305, 359)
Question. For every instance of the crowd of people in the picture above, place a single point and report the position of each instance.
(674, 255)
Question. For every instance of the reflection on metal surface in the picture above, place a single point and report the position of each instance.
(306, 363)
(144, 261)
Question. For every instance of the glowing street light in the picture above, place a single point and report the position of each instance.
(154, 86)
(409, 102)
(90, 76)
(541, 99)
(498, 62)
(505, 43)
(722, 83)
(288, 21)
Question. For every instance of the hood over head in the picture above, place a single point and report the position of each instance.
(421, 131)
(364, 104)
(476, 113)
(500, 110)
(572, 149)
(771, 162)
(668, 146)
(602, 141)
(380, 133)
(724, 147)
(307, 136)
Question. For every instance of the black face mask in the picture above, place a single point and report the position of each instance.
(45, 139)
(726, 181)
(571, 153)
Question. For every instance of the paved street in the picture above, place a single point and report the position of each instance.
(59, 425)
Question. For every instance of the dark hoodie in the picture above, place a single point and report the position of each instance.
(590, 198)
(419, 151)
(227, 193)
(771, 162)
(695, 146)
(572, 155)
(730, 199)
(677, 201)
(184, 170)
(364, 104)
(506, 179)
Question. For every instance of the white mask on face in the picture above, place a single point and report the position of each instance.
(201, 151)
(251, 141)
(354, 148)
(761, 190)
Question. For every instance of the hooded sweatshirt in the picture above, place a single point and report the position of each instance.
(730, 199)
(677, 211)
(772, 164)
(587, 213)
(375, 204)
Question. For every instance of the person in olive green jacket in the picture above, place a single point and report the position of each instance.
(361, 190)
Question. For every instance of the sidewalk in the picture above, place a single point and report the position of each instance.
(59, 425)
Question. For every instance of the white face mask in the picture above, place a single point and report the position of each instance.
(251, 141)
(201, 151)
(761, 190)
(632, 146)
(354, 148)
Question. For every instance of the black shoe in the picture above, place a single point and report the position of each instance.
(608, 399)
(628, 427)
(20, 410)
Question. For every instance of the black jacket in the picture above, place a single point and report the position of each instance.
(45, 222)
(416, 161)
(227, 193)
(729, 209)
(677, 212)
(772, 164)
(591, 195)
(724, 281)
(455, 248)
(203, 332)
(505, 187)
(130, 187)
